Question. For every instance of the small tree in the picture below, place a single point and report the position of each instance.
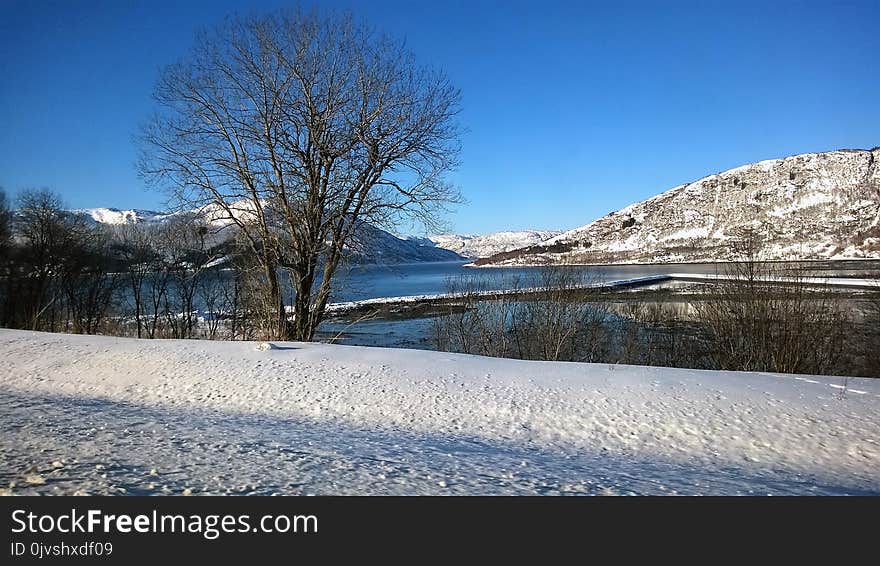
(90, 281)
(6, 279)
(136, 250)
(187, 257)
(5, 228)
(49, 240)
(870, 342)
(296, 129)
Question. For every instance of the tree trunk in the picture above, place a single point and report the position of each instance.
(277, 327)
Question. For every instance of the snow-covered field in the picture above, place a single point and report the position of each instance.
(104, 415)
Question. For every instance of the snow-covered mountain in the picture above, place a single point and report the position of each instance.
(116, 216)
(810, 206)
(373, 245)
(473, 246)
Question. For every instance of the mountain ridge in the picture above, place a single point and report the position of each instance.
(822, 205)
(373, 244)
(476, 246)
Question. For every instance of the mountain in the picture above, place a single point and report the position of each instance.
(373, 245)
(473, 247)
(116, 216)
(810, 206)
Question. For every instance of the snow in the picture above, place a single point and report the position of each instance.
(848, 282)
(630, 243)
(768, 164)
(803, 207)
(166, 416)
(806, 201)
(116, 216)
(219, 261)
(374, 245)
(687, 234)
(244, 211)
(477, 246)
(336, 308)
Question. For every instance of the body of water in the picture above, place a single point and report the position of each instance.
(375, 281)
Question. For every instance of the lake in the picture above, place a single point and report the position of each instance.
(378, 281)
(374, 281)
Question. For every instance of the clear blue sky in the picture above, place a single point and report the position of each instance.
(574, 109)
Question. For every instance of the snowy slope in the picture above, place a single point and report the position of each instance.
(472, 246)
(122, 415)
(116, 216)
(373, 245)
(811, 206)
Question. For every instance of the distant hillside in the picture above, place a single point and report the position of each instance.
(474, 247)
(116, 216)
(811, 206)
(373, 245)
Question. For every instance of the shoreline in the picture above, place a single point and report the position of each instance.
(473, 264)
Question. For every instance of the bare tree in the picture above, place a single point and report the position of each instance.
(187, 255)
(135, 249)
(471, 324)
(870, 338)
(49, 238)
(214, 287)
(5, 227)
(296, 128)
(6, 265)
(658, 333)
(89, 281)
(156, 288)
(238, 295)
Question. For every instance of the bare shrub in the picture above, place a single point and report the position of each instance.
(545, 318)
(768, 318)
(562, 324)
(658, 333)
(869, 345)
(475, 325)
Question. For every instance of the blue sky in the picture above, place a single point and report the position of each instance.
(573, 109)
